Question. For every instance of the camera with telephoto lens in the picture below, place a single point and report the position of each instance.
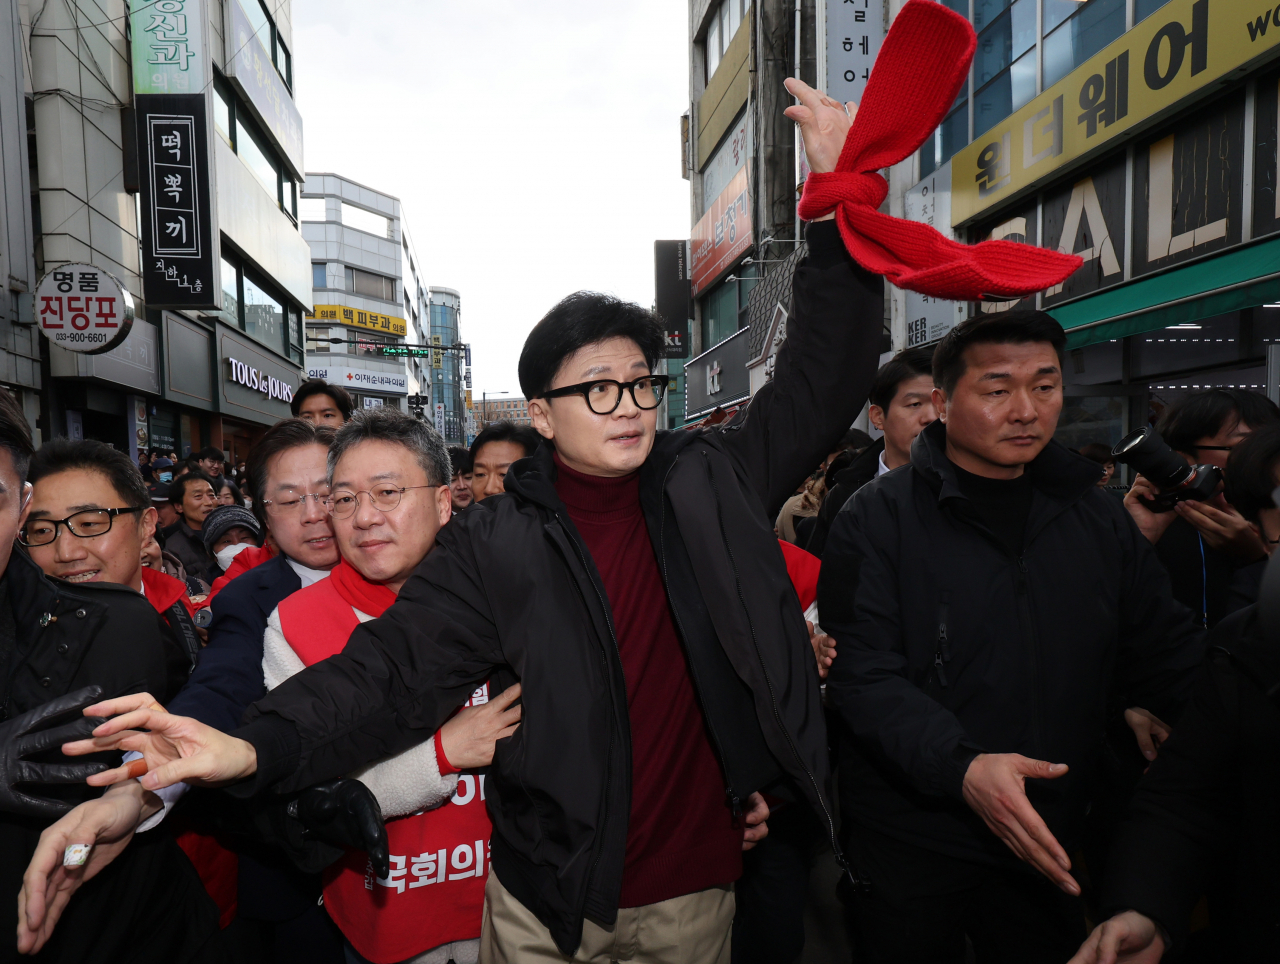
(1168, 471)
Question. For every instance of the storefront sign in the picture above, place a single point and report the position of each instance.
(855, 30)
(671, 295)
(1086, 217)
(168, 47)
(179, 249)
(928, 319)
(722, 234)
(359, 318)
(249, 67)
(440, 417)
(728, 159)
(1180, 49)
(82, 308)
(259, 381)
(719, 376)
(366, 379)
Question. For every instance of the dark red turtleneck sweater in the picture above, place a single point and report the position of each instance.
(682, 835)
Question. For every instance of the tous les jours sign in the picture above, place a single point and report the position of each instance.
(84, 309)
(260, 381)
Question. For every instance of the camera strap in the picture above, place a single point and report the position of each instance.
(181, 619)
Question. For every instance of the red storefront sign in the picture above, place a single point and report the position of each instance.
(723, 233)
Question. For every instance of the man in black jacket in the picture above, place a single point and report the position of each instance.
(1000, 610)
(56, 638)
(901, 405)
(193, 496)
(663, 686)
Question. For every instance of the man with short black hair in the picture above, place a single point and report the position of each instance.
(494, 451)
(324, 404)
(900, 406)
(210, 461)
(993, 611)
(460, 481)
(193, 496)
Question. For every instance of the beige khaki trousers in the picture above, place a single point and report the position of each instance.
(693, 929)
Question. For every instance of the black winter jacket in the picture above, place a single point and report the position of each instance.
(56, 637)
(948, 645)
(510, 590)
(1211, 798)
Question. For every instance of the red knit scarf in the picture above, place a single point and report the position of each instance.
(922, 64)
(358, 592)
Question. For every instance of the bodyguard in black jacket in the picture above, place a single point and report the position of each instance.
(998, 614)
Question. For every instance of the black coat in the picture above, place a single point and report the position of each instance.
(848, 480)
(948, 645)
(185, 544)
(511, 591)
(149, 904)
(1211, 802)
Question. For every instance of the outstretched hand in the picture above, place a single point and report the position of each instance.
(824, 124)
(106, 825)
(994, 788)
(176, 749)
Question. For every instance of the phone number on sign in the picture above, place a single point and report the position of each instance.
(79, 337)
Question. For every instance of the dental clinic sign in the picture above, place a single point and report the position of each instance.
(260, 381)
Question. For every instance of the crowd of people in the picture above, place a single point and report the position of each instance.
(588, 691)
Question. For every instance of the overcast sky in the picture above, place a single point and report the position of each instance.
(535, 146)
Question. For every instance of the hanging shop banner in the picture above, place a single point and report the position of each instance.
(729, 158)
(928, 318)
(168, 47)
(359, 318)
(855, 30)
(671, 295)
(250, 69)
(1187, 187)
(179, 237)
(83, 309)
(722, 234)
(1180, 49)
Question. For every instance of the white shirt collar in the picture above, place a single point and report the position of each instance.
(309, 577)
(883, 468)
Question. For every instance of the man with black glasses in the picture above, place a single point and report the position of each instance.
(631, 582)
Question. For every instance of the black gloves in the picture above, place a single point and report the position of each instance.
(346, 813)
(17, 741)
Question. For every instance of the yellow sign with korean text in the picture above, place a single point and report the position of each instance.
(359, 318)
(1181, 48)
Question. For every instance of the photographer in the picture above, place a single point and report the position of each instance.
(1208, 547)
(1206, 809)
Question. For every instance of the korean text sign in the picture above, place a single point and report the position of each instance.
(359, 318)
(1181, 48)
(168, 47)
(722, 234)
(83, 309)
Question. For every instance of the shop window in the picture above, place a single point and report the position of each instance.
(318, 279)
(1094, 25)
(371, 285)
(992, 104)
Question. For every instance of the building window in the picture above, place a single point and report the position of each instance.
(318, 340)
(312, 209)
(724, 310)
(255, 309)
(263, 315)
(1145, 8)
(318, 279)
(1090, 27)
(231, 290)
(363, 220)
(371, 285)
(297, 347)
(265, 29)
(242, 135)
(724, 24)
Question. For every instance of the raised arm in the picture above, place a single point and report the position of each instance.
(824, 368)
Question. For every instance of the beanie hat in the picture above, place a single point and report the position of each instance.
(225, 517)
(923, 62)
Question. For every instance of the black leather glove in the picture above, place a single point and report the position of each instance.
(17, 741)
(345, 813)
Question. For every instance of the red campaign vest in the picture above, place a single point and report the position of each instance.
(439, 859)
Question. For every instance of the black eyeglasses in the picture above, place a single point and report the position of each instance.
(84, 525)
(604, 396)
